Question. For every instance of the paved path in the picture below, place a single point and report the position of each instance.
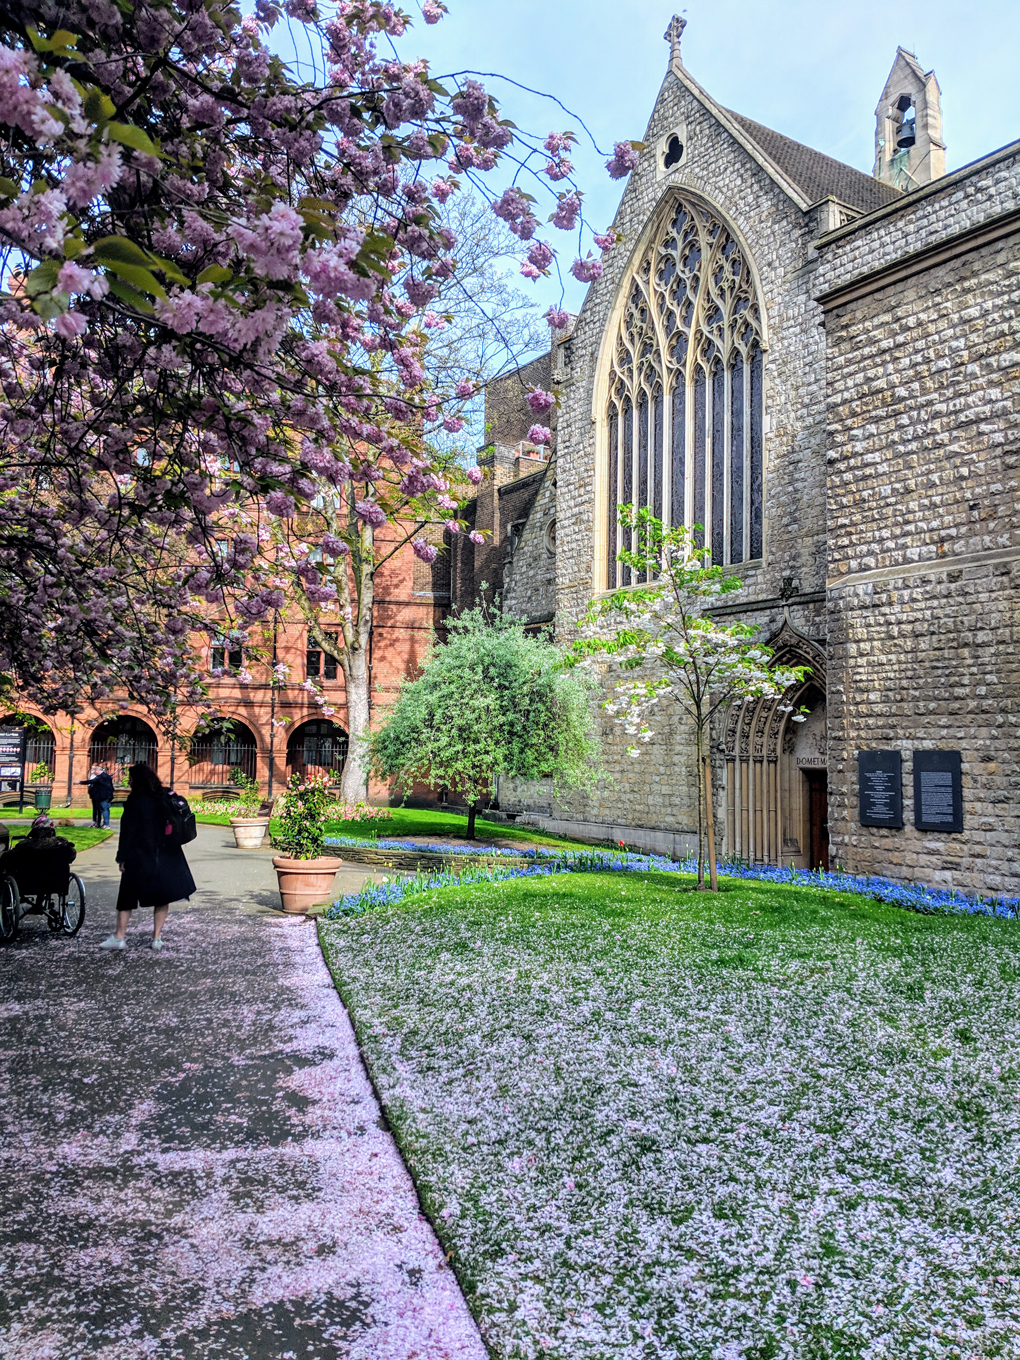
(192, 1161)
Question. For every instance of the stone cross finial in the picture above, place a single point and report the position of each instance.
(673, 35)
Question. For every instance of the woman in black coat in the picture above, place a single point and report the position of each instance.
(153, 869)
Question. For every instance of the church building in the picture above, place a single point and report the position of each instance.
(822, 367)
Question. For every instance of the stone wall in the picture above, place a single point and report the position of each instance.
(923, 521)
(657, 789)
(529, 574)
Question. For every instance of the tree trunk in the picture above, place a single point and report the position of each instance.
(701, 816)
(713, 876)
(354, 780)
(472, 810)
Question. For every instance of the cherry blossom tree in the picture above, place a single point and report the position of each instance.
(213, 269)
(659, 627)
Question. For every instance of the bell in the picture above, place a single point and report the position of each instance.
(905, 137)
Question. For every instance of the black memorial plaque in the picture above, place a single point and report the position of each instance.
(880, 788)
(938, 791)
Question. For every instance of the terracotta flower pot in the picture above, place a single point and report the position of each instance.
(249, 832)
(305, 882)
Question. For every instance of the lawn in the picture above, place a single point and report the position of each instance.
(81, 837)
(783, 1122)
(56, 811)
(441, 826)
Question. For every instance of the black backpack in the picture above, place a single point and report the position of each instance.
(180, 820)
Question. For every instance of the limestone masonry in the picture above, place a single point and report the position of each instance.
(872, 372)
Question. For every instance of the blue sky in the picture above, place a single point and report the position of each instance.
(809, 70)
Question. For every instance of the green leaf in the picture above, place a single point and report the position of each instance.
(168, 268)
(8, 188)
(73, 247)
(322, 205)
(43, 278)
(98, 106)
(215, 273)
(131, 296)
(48, 307)
(141, 278)
(118, 248)
(129, 135)
(62, 40)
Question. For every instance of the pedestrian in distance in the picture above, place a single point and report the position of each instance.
(100, 787)
(153, 869)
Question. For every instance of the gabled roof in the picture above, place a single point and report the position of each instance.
(818, 176)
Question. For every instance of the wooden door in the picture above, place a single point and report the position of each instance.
(818, 819)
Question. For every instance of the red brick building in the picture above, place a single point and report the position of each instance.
(275, 730)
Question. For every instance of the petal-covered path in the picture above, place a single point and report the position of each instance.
(192, 1161)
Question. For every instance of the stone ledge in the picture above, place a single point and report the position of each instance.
(675, 844)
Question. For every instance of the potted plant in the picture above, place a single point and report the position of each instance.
(305, 874)
(248, 827)
(42, 775)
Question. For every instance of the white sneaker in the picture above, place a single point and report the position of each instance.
(111, 942)
(157, 945)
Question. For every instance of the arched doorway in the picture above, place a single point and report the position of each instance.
(119, 743)
(216, 757)
(40, 753)
(316, 747)
(776, 777)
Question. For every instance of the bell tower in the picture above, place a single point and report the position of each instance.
(909, 150)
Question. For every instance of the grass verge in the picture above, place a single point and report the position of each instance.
(426, 822)
(81, 837)
(780, 1122)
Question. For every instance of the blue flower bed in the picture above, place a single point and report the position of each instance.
(912, 896)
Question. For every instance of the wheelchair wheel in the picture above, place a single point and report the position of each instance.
(9, 904)
(72, 907)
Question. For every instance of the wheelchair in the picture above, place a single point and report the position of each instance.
(52, 891)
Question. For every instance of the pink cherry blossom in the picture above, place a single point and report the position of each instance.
(475, 475)
(371, 513)
(538, 434)
(587, 270)
(540, 401)
(71, 325)
(623, 160)
(567, 212)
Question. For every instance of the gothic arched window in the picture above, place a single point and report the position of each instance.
(684, 412)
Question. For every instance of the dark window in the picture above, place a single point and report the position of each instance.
(674, 152)
(718, 460)
(318, 743)
(700, 452)
(692, 328)
(320, 665)
(611, 524)
(225, 657)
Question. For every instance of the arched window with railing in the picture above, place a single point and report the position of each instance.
(683, 419)
(317, 746)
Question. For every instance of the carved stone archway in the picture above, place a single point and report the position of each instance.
(770, 760)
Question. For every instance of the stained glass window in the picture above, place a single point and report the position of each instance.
(684, 416)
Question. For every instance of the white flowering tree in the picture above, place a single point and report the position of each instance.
(658, 632)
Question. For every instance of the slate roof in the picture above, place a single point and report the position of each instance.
(815, 175)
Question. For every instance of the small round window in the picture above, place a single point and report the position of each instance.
(550, 536)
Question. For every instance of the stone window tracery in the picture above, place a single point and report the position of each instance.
(684, 411)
